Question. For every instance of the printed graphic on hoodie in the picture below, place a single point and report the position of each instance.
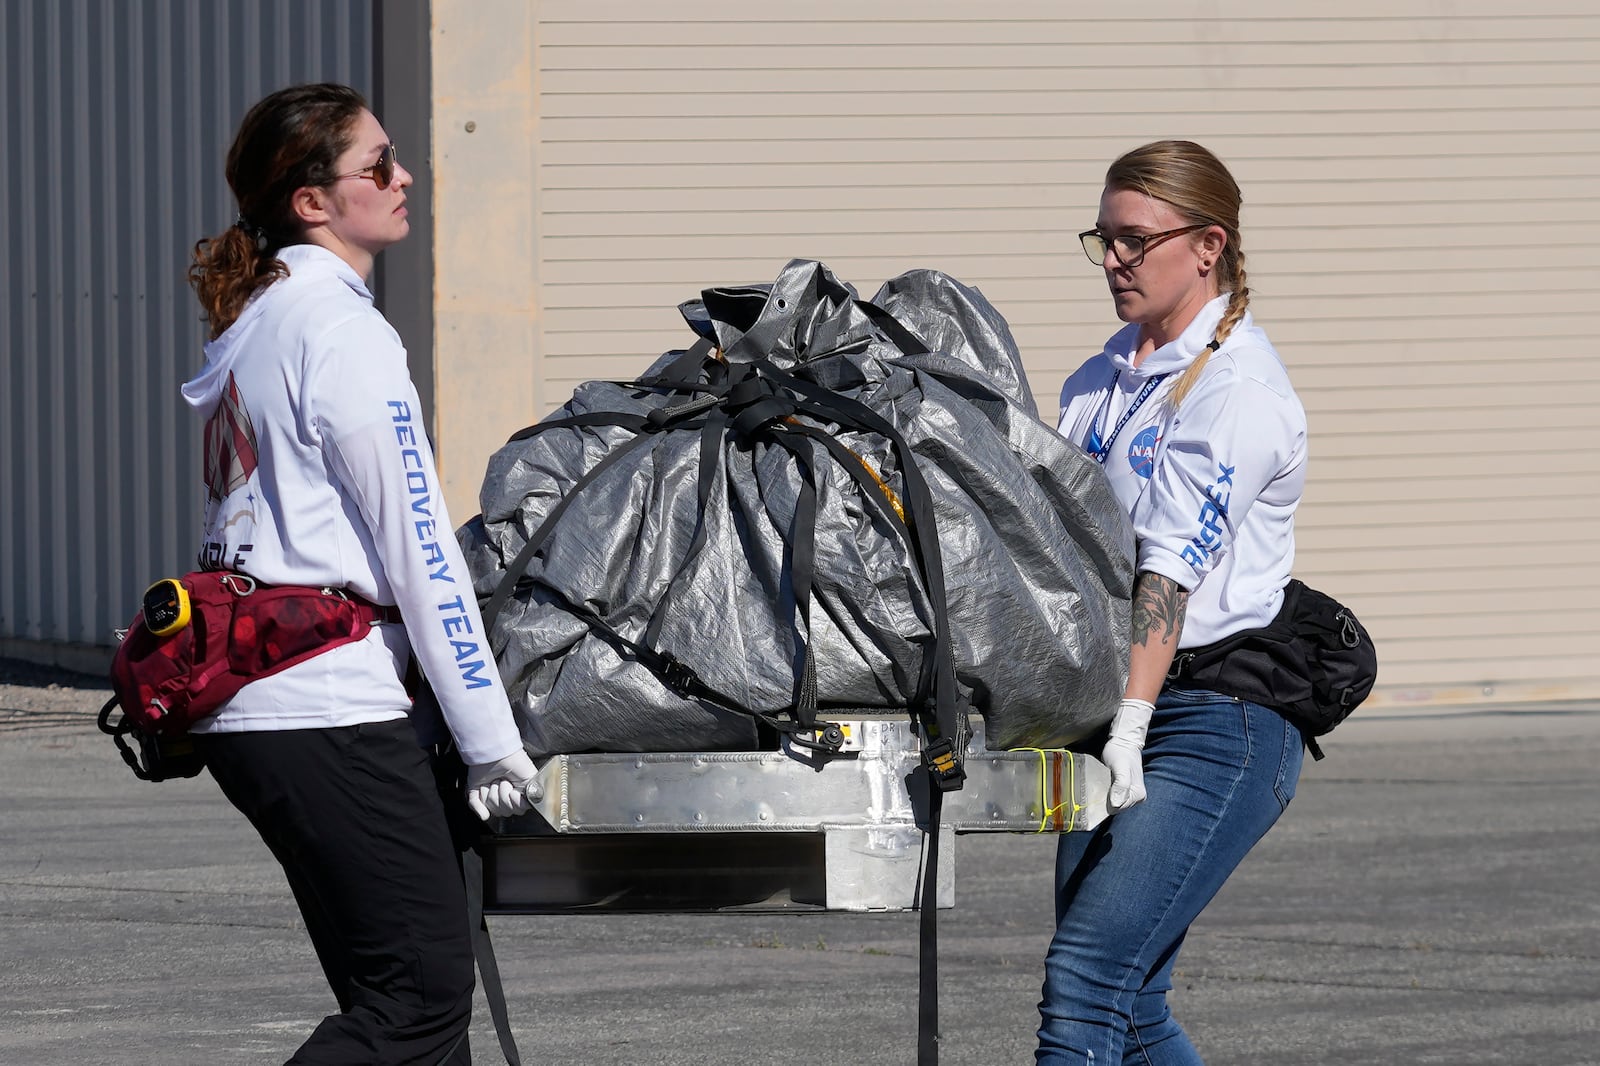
(230, 444)
(230, 463)
(1142, 451)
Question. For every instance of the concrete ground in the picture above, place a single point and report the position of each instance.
(1430, 897)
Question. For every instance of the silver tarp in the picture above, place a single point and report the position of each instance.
(1036, 553)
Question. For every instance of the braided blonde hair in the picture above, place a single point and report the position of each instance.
(1199, 188)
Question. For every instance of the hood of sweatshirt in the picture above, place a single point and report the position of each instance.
(1176, 354)
(306, 262)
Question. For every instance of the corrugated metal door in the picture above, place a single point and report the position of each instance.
(1421, 222)
(114, 121)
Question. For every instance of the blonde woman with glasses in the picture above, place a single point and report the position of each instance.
(1191, 413)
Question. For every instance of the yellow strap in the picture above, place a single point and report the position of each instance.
(1044, 789)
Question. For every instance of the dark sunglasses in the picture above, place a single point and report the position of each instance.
(381, 172)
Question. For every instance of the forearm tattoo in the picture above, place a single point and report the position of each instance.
(1158, 607)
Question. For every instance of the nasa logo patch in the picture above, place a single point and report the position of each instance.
(1142, 451)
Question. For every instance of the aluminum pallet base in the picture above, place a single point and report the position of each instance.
(776, 830)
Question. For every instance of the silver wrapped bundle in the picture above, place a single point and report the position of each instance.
(743, 517)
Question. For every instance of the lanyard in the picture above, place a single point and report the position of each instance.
(1094, 445)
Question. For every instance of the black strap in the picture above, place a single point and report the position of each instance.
(518, 566)
(673, 672)
(757, 399)
(683, 372)
(893, 328)
(468, 835)
(928, 939)
(941, 723)
(642, 425)
(711, 436)
(483, 950)
(802, 545)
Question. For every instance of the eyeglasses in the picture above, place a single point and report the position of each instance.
(381, 172)
(1130, 247)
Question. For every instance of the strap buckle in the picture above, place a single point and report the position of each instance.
(676, 674)
(944, 768)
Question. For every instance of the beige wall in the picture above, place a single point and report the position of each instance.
(487, 351)
(1421, 218)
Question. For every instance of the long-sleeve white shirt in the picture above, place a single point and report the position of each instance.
(1212, 489)
(319, 472)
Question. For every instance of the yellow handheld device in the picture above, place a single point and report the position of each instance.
(166, 607)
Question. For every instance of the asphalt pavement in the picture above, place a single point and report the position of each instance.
(1430, 897)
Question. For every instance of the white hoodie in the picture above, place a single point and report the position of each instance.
(1212, 489)
(319, 472)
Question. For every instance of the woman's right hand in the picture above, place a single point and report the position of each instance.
(502, 788)
(1124, 753)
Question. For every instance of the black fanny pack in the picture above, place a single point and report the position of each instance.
(1313, 664)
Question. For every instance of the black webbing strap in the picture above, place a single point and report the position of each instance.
(671, 671)
(483, 950)
(518, 566)
(682, 372)
(750, 407)
(928, 939)
(921, 524)
(467, 835)
(893, 328)
(944, 741)
(677, 376)
(802, 568)
(710, 451)
(637, 423)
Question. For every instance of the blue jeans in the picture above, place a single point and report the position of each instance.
(1219, 771)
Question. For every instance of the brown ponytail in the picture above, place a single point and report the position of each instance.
(289, 140)
(1201, 190)
(227, 270)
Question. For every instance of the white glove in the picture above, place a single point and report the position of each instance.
(501, 788)
(1124, 753)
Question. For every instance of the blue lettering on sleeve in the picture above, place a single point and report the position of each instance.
(472, 674)
(455, 620)
(1208, 539)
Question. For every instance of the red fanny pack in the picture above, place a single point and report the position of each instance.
(199, 639)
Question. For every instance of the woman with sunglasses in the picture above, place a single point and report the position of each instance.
(1191, 413)
(319, 473)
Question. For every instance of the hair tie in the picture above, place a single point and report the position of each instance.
(248, 228)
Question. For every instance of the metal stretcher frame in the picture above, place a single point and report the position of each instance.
(780, 830)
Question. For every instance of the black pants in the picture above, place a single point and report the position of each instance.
(355, 818)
